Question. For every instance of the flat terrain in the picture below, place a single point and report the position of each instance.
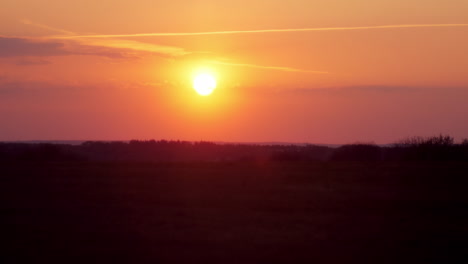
(234, 213)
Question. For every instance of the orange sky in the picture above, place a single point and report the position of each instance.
(297, 71)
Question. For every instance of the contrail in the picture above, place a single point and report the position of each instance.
(28, 22)
(287, 69)
(175, 34)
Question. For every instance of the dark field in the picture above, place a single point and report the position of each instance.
(239, 212)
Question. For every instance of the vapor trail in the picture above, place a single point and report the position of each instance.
(38, 25)
(175, 34)
(287, 69)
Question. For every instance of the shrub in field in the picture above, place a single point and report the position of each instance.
(440, 147)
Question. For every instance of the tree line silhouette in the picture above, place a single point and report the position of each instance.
(437, 148)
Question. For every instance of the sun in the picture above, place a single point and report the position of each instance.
(204, 84)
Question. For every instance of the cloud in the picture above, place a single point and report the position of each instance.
(175, 34)
(113, 44)
(32, 62)
(368, 90)
(136, 46)
(39, 47)
(111, 48)
(13, 88)
(365, 89)
(13, 47)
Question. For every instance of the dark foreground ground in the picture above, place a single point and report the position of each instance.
(234, 213)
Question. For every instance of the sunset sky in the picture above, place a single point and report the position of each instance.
(319, 71)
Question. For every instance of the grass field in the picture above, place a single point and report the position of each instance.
(240, 212)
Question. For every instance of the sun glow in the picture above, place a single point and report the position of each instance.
(204, 84)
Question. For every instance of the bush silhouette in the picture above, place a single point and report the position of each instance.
(436, 141)
(440, 147)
